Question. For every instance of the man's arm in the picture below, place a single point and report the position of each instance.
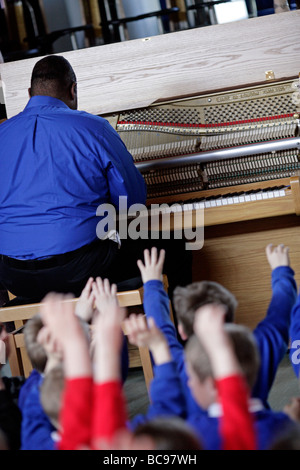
(124, 179)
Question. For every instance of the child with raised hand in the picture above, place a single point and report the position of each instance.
(156, 301)
(237, 423)
(272, 333)
(269, 425)
(110, 413)
(58, 314)
(38, 429)
(166, 396)
(93, 409)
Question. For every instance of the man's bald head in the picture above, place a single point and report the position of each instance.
(54, 76)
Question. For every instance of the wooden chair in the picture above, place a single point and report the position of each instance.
(19, 361)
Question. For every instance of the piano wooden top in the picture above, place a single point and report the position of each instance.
(138, 73)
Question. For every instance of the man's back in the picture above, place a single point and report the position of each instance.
(58, 165)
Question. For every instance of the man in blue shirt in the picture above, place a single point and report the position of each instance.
(57, 165)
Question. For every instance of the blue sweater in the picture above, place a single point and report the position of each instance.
(272, 333)
(36, 429)
(295, 337)
(269, 426)
(167, 399)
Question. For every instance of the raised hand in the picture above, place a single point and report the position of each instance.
(209, 328)
(278, 255)
(107, 331)
(85, 304)
(105, 294)
(152, 267)
(58, 315)
(144, 333)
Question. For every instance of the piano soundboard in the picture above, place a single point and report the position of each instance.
(218, 140)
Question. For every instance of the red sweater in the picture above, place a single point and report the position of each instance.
(93, 413)
(236, 423)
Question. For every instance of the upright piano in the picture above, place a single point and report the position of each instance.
(211, 117)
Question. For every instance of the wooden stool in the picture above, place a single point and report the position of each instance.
(19, 361)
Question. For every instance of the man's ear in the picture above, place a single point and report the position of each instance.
(182, 333)
(73, 91)
(29, 92)
(72, 103)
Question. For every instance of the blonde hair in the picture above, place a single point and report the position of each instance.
(36, 352)
(51, 393)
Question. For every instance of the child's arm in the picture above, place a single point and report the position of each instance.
(85, 304)
(236, 425)
(166, 391)
(58, 315)
(156, 301)
(75, 421)
(110, 413)
(272, 333)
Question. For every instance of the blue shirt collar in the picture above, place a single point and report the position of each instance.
(45, 101)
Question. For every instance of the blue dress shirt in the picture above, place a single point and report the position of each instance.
(57, 166)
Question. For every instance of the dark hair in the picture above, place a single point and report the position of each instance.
(289, 438)
(169, 433)
(187, 300)
(52, 75)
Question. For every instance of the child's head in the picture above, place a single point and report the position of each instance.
(169, 433)
(51, 393)
(289, 438)
(187, 301)
(36, 352)
(201, 379)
